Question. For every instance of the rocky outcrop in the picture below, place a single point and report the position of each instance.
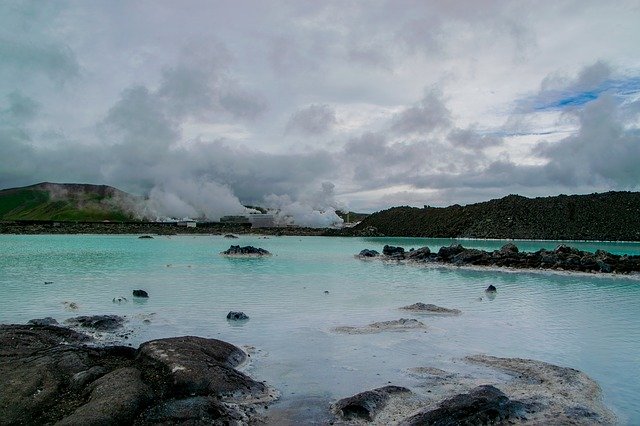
(368, 253)
(428, 308)
(563, 258)
(611, 216)
(43, 321)
(402, 324)
(249, 251)
(97, 322)
(366, 405)
(237, 316)
(140, 293)
(54, 375)
(485, 404)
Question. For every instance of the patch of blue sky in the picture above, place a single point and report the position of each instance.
(560, 100)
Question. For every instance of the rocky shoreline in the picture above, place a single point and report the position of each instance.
(563, 258)
(56, 375)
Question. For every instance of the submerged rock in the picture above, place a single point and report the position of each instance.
(237, 316)
(366, 405)
(403, 324)
(431, 309)
(231, 236)
(491, 289)
(245, 251)
(140, 293)
(97, 322)
(145, 237)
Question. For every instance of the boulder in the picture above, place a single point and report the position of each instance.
(484, 404)
(231, 236)
(366, 405)
(393, 251)
(491, 289)
(470, 256)
(237, 316)
(140, 293)
(245, 251)
(145, 237)
(97, 322)
(423, 253)
(368, 253)
(509, 248)
(447, 252)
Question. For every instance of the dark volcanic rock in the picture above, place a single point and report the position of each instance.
(245, 251)
(509, 248)
(366, 405)
(423, 253)
(471, 257)
(446, 253)
(237, 316)
(97, 322)
(231, 236)
(483, 405)
(368, 253)
(393, 251)
(43, 321)
(431, 309)
(145, 237)
(49, 375)
(199, 366)
(491, 289)
(140, 293)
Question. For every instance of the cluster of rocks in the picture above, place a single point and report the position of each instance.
(52, 374)
(245, 251)
(562, 258)
(533, 392)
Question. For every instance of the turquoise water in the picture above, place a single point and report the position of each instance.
(585, 322)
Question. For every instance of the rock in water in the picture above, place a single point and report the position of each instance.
(366, 405)
(393, 251)
(237, 316)
(43, 321)
(485, 404)
(97, 322)
(491, 289)
(431, 309)
(231, 236)
(368, 253)
(245, 251)
(140, 293)
(145, 237)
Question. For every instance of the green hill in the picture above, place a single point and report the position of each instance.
(73, 202)
(613, 216)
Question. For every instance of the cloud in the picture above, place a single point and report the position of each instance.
(429, 115)
(316, 119)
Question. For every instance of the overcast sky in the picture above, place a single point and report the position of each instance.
(310, 104)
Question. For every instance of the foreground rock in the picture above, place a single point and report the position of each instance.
(563, 258)
(50, 375)
(237, 316)
(530, 393)
(249, 251)
(97, 322)
(403, 324)
(428, 308)
(140, 293)
(366, 405)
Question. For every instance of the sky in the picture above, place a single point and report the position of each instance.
(311, 106)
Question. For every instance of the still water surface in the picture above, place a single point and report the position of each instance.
(585, 322)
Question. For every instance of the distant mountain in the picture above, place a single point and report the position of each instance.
(67, 201)
(611, 216)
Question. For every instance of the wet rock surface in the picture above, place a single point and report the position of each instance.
(245, 251)
(485, 404)
(237, 316)
(366, 405)
(428, 308)
(402, 324)
(97, 322)
(140, 293)
(563, 258)
(55, 375)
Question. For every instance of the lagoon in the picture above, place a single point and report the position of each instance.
(588, 322)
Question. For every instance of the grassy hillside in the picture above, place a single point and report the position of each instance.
(76, 202)
(607, 216)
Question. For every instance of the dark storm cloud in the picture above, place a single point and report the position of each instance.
(316, 119)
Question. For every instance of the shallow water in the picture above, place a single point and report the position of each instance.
(591, 323)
